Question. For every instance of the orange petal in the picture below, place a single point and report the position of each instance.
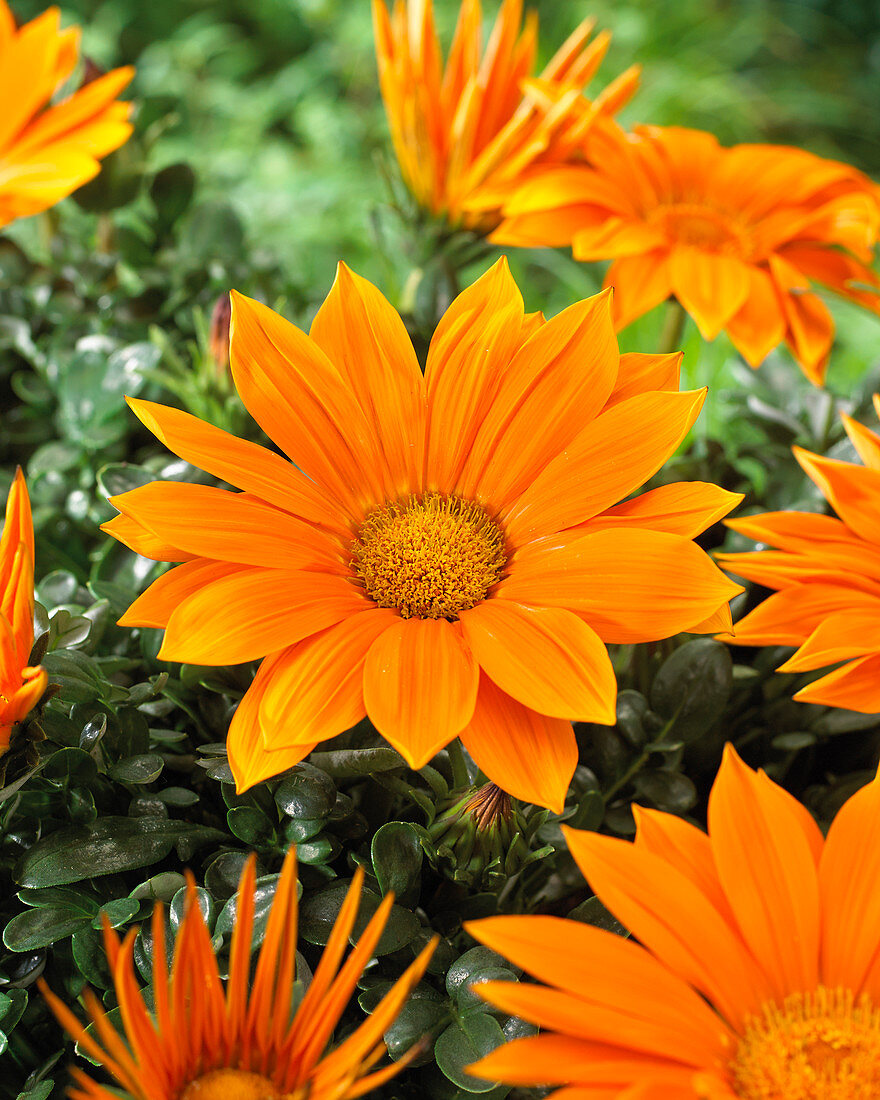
(615, 238)
(855, 686)
(420, 686)
(18, 528)
(710, 285)
(853, 632)
(527, 754)
(316, 690)
(640, 373)
(469, 355)
(546, 658)
(629, 584)
(685, 508)
(614, 454)
(640, 283)
(763, 849)
(155, 606)
(866, 442)
(365, 339)
(759, 324)
(562, 375)
(254, 612)
(853, 491)
(790, 616)
(142, 540)
(243, 464)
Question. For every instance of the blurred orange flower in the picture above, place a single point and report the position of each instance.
(738, 235)
(466, 133)
(755, 975)
(827, 575)
(46, 152)
(207, 1043)
(20, 685)
(452, 558)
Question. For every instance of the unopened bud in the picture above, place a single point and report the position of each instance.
(218, 336)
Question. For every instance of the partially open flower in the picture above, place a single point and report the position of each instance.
(21, 686)
(466, 134)
(47, 151)
(204, 1042)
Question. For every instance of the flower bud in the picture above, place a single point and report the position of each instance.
(218, 337)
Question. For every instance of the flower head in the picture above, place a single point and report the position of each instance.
(46, 152)
(467, 133)
(826, 572)
(448, 555)
(204, 1042)
(20, 685)
(738, 235)
(756, 973)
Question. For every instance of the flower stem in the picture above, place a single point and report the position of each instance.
(460, 776)
(673, 327)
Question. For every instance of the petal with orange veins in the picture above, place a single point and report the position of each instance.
(675, 920)
(214, 523)
(65, 119)
(853, 491)
(719, 622)
(641, 373)
(142, 540)
(155, 606)
(468, 358)
(810, 325)
(848, 874)
(630, 584)
(866, 442)
(763, 845)
(562, 375)
(853, 632)
(808, 532)
(759, 324)
(613, 455)
(610, 974)
(780, 569)
(243, 464)
(299, 398)
(640, 283)
(684, 508)
(854, 686)
(420, 686)
(253, 612)
(710, 285)
(317, 686)
(527, 754)
(250, 760)
(615, 238)
(545, 658)
(365, 339)
(18, 527)
(790, 616)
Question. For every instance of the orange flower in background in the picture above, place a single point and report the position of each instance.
(827, 574)
(46, 152)
(466, 133)
(453, 557)
(738, 235)
(21, 686)
(756, 974)
(206, 1043)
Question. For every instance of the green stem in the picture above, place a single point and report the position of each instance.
(460, 776)
(630, 772)
(673, 327)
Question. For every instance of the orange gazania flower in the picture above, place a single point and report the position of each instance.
(738, 235)
(20, 685)
(827, 575)
(455, 558)
(206, 1043)
(48, 151)
(466, 133)
(756, 974)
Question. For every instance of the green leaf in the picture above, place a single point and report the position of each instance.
(464, 1043)
(38, 928)
(60, 897)
(172, 190)
(118, 912)
(264, 895)
(308, 793)
(77, 676)
(111, 844)
(478, 964)
(669, 791)
(417, 1020)
(353, 763)
(397, 855)
(319, 911)
(70, 767)
(143, 768)
(251, 826)
(692, 687)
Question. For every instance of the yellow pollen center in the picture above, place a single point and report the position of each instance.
(823, 1045)
(431, 556)
(231, 1084)
(702, 227)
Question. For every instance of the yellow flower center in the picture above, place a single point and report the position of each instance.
(823, 1045)
(702, 227)
(231, 1084)
(431, 556)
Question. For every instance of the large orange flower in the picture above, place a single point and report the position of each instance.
(20, 685)
(48, 151)
(206, 1043)
(827, 575)
(757, 971)
(453, 557)
(465, 134)
(737, 235)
